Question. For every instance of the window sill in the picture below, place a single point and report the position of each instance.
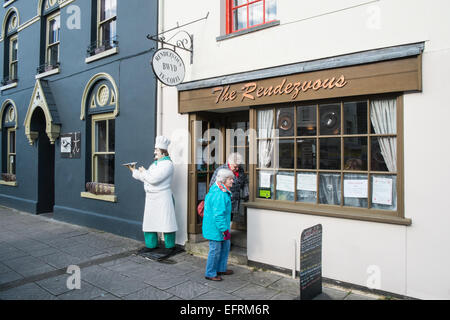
(108, 198)
(246, 31)
(102, 55)
(8, 183)
(47, 73)
(9, 86)
(8, 3)
(333, 212)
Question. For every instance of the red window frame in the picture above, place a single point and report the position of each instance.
(230, 8)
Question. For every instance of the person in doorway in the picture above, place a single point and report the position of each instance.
(239, 189)
(159, 212)
(216, 224)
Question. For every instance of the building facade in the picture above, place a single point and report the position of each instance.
(78, 99)
(342, 106)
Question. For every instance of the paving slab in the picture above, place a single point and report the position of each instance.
(189, 290)
(331, 294)
(260, 278)
(60, 260)
(355, 296)
(83, 251)
(149, 293)
(28, 266)
(284, 296)
(86, 292)
(56, 285)
(255, 292)
(9, 276)
(165, 281)
(289, 285)
(215, 295)
(30, 291)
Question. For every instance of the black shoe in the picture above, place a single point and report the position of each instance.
(145, 250)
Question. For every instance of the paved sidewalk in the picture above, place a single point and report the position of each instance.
(35, 252)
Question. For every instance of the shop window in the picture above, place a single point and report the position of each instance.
(246, 14)
(8, 129)
(104, 22)
(11, 50)
(342, 154)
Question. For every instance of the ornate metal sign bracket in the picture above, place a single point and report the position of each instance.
(183, 40)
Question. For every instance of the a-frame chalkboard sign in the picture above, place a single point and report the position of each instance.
(311, 263)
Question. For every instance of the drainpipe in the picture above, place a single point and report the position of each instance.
(159, 107)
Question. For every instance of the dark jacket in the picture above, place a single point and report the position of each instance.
(239, 190)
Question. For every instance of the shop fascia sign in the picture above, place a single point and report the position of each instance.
(254, 91)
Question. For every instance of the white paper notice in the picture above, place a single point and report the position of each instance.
(264, 180)
(382, 191)
(285, 183)
(201, 191)
(355, 188)
(307, 182)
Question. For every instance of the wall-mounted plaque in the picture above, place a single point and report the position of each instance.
(71, 145)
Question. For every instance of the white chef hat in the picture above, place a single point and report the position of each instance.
(162, 143)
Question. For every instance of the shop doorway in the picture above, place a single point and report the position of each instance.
(214, 136)
(46, 164)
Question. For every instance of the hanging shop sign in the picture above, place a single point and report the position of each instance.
(168, 67)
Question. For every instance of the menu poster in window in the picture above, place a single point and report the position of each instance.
(311, 263)
(382, 191)
(71, 145)
(285, 183)
(264, 180)
(307, 182)
(355, 188)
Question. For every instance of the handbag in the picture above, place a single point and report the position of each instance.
(201, 208)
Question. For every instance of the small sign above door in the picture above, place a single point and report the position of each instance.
(168, 67)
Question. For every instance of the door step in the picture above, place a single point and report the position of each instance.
(238, 255)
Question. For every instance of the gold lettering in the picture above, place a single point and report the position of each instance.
(248, 88)
(341, 82)
(233, 95)
(278, 89)
(260, 92)
(288, 88)
(220, 89)
(317, 85)
(297, 89)
(306, 86)
(268, 91)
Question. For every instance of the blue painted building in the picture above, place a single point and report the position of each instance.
(78, 99)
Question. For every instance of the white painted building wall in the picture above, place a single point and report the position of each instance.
(413, 261)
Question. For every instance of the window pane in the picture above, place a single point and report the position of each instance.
(355, 153)
(111, 135)
(384, 154)
(239, 2)
(306, 121)
(330, 189)
(265, 184)
(383, 116)
(256, 13)
(330, 154)
(240, 18)
(286, 155)
(105, 168)
(285, 186)
(12, 142)
(108, 9)
(108, 30)
(100, 136)
(285, 122)
(356, 190)
(384, 192)
(13, 74)
(306, 154)
(355, 117)
(271, 10)
(307, 187)
(53, 55)
(330, 119)
(12, 164)
(265, 124)
(265, 154)
(54, 29)
(14, 49)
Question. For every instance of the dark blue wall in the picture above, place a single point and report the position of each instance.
(135, 125)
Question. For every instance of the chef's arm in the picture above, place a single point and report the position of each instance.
(158, 174)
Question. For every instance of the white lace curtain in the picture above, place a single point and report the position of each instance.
(383, 118)
(265, 131)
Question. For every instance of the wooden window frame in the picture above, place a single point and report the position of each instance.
(9, 153)
(12, 62)
(337, 211)
(97, 118)
(229, 15)
(48, 45)
(100, 23)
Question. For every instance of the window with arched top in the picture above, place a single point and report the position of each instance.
(100, 109)
(11, 48)
(8, 126)
(50, 35)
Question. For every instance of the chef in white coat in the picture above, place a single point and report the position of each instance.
(159, 213)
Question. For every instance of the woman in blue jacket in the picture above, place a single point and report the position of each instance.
(216, 225)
